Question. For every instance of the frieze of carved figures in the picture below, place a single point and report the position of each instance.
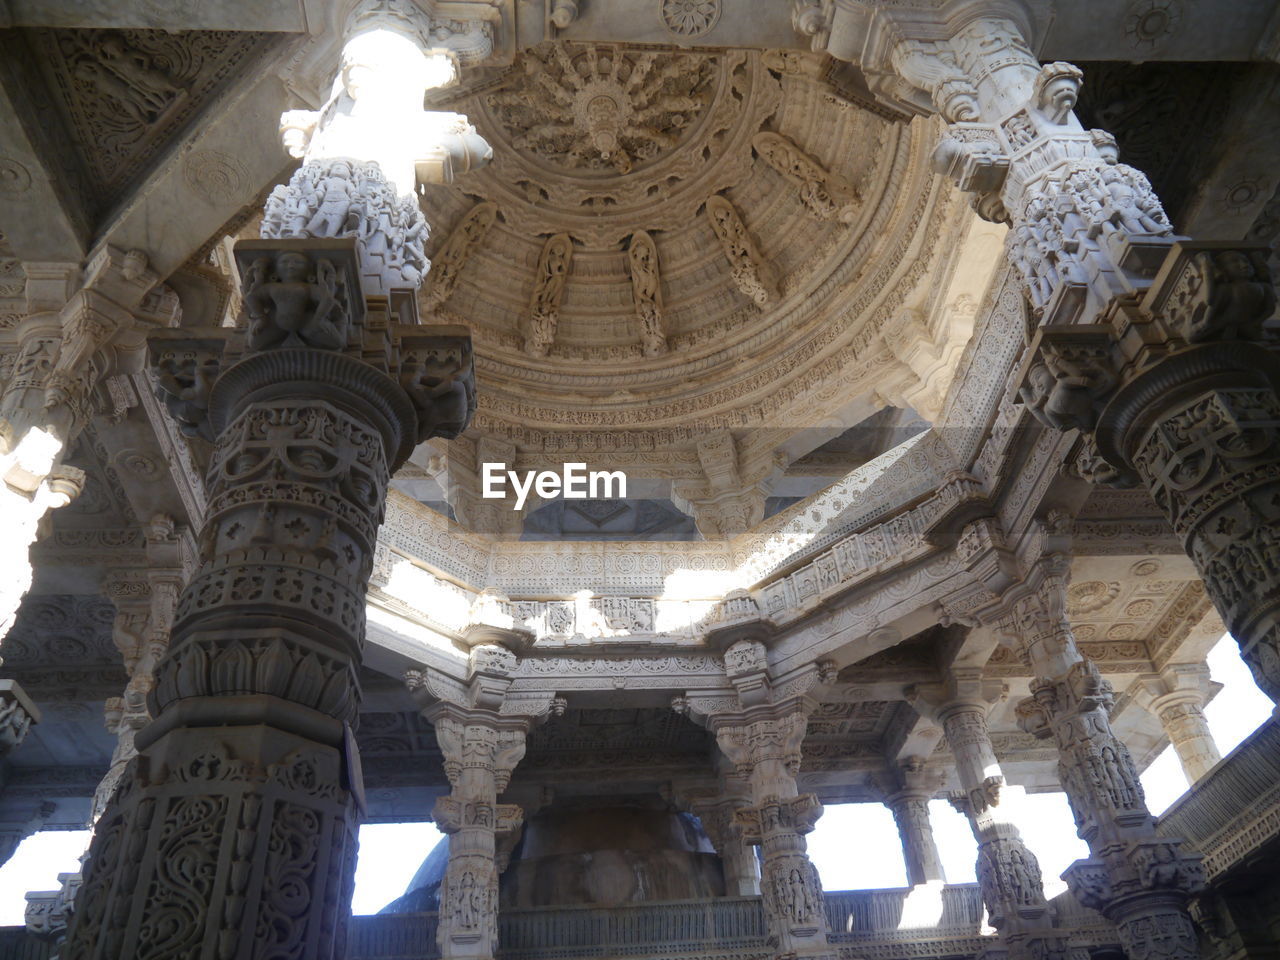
(646, 292)
(751, 273)
(548, 288)
(451, 258)
(345, 198)
(824, 194)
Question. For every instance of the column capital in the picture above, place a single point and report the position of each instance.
(965, 690)
(1175, 685)
(479, 738)
(912, 778)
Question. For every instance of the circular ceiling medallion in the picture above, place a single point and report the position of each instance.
(690, 18)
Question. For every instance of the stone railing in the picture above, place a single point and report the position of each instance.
(729, 926)
(17, 944)
(1234, 809)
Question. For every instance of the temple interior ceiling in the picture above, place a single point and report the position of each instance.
(727, 267)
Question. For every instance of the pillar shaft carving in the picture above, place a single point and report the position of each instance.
(1139, 880)
(1008, 872)
(1177, 697)
(913, 785)
(481, 731)
(763, 744)
(480, 749)
(249, 766)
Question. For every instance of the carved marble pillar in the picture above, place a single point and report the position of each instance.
(233, 832)
(145, 604)
(760, 740)
(481, 728)
(79, 329)
(913, 786)
(1177, 697)
(1157, 353)
(763, 742)
(1195, 418)
(481, 748)
(1008, 872)
(1139, 880)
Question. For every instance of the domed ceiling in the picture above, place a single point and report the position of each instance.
(673, 240)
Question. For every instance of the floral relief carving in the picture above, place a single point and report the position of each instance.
(689, 18)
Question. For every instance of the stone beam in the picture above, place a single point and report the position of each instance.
(264, 15)
(39, 221)
(221, 169)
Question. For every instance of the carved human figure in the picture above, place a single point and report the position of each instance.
(184, 384)
(294, 302)
(335, 195)
(548, 288)
(646, 293)
(1126, 212)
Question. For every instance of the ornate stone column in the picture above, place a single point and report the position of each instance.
(1157, 354)
(1008, 872)
(1139, 880)
(145, 604)
(481, 749)
(234, 833)
(762, 739)
(911, 788)
(80, 329)
(481, 728)
(1177, 696)
(717, 808)
(763, 743)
